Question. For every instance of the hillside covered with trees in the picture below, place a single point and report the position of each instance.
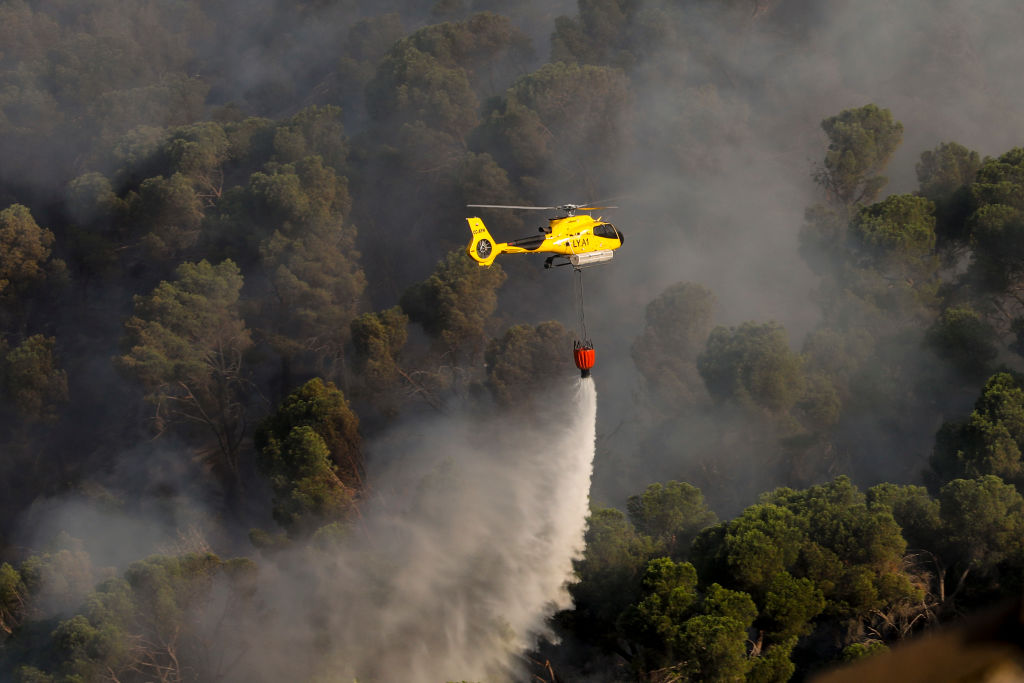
(234, 297)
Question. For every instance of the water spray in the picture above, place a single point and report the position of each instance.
(475, 530)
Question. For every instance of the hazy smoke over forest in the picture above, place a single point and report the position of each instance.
(471, 559)
(730, 220)
(460, 556)
(473, 512)
(945, 70)
(455, 565)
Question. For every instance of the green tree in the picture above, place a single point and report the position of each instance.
(377, 340)
(310, 450)
(997, 240)
(849, 551)
(984, 523)
(722, 602)
(838, 517)
(944, 176)
(678, 322)
(314, 131)
(424, 103)
(861, 142)
(610, 573)
(365, 45)
(24, 249)
(897, 236)
(946, 169)
(999, 180)
(100, 227)
(136, 154)
(962, 337)
(790, 604)
(159, 622)
(820, 405)
(199, 153)
(856, 651)
(12, 599)
(997, 228)
(752, 365)
(310, 260)
(58, 579)
(598, 35)
(671, 514)
(914, 510)
(859, 550)
(765, 540)
(990, 441)
(172, 211)
(480, 179)
(91, 198)
(883, 274)
(674, 630)
(655, 623)
(526, 361)
(32, 381)
(773, 664)
(85, 651)
(714, 648)
(307, 491)
(454, 304)
(886, 275)
(671, 589)
(563, 117)
(824, 560)
(106, 70)
(487, 46)
(186, 345)
(414, 87)
(30, 674)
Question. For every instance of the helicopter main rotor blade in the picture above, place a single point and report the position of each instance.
(594, 208)
(500, 206)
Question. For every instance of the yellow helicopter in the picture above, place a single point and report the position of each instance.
(581, 240)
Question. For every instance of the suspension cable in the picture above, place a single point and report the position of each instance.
(581, 319)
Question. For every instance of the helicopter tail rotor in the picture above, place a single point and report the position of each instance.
(482, 248)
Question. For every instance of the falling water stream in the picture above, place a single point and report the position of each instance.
(467, 559)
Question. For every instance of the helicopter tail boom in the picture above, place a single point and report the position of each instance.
(482, 248)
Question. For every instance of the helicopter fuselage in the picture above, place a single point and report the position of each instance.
(583, 240)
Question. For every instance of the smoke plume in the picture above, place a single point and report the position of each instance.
(466, 553)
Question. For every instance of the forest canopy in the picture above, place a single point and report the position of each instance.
(233, 272)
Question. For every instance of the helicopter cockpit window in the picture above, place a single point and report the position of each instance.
(605, 230)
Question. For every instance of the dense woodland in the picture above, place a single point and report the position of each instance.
(230, 259)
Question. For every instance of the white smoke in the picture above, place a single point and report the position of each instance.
(459, 561)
